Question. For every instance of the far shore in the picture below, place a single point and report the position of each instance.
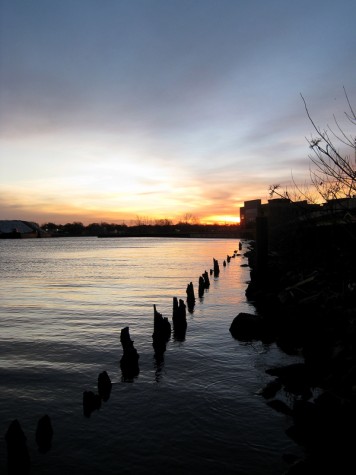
(175, 235)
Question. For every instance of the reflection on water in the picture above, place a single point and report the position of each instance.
(190, 408)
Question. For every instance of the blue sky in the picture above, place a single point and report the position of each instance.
(114, 109)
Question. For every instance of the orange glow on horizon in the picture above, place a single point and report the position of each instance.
(221, 219)
(44, 207)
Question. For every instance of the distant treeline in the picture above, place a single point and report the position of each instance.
(100, 229)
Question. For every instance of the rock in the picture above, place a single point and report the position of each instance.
(296, 378)
(271, 389)
(246, 326)
(280, 406)
(300, 467)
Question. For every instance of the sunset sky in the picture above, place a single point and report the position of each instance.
(113, 109)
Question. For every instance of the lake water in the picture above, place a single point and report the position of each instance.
(63, 304)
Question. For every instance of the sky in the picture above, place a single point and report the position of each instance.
(112, 110)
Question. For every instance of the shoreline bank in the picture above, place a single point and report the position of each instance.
(309, 310)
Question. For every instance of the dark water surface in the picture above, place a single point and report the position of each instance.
(63, 305)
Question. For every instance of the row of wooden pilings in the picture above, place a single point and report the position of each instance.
(162, 329)
(17, 451)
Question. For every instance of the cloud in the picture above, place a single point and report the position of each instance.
(157, 106)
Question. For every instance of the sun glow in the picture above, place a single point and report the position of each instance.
(221, 219)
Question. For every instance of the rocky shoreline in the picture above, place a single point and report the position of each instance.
(306, 303)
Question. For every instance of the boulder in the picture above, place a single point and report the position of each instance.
(297, 378)
(247, 326)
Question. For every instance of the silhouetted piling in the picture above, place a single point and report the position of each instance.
(201, 287)
(216, 268)
(206, 280)
(104, 386)
(44, 434)
(179, 319)
(190, 296)
(179, 311)
(161, 332)
(18, 457)
(240, 246)
(91, 402)
(129, 360)
(228, 258)
(161, 326)
(224, 263)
